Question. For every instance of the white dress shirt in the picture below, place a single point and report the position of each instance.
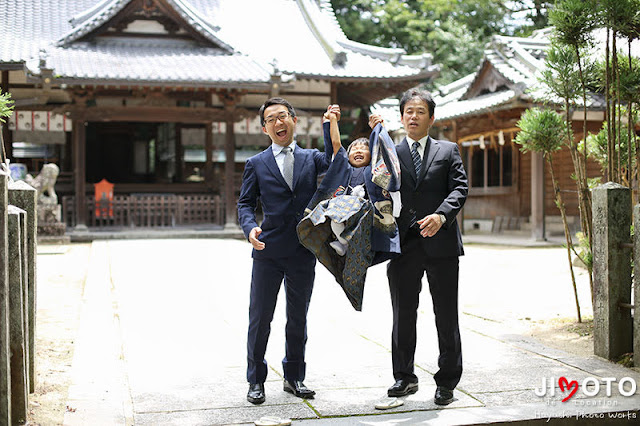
(421, 147)
(279, 155)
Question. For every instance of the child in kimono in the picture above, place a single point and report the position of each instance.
(349, 224)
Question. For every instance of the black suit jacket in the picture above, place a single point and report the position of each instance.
(440, 188)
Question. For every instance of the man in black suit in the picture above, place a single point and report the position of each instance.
(433, 190)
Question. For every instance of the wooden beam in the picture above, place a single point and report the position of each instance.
(495, 131)
(153, 114)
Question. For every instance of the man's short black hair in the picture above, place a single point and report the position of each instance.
(423, 95)
(275, 101)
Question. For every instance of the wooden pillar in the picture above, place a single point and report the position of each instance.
(179, 153)
(208, 148)
(229, 173)
(230, 99)
(6, 133)
(80, 172)
(454, 128)
(537, 197)
(334, 93)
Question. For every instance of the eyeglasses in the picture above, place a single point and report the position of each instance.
(271, 119)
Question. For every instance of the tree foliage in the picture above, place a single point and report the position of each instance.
(541, 130)
(560, 77)
(597, 144)
(453, 31)
(6, 106)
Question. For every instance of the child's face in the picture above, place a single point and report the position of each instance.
(359, 155)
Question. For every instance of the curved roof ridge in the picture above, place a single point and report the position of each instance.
(91, 19)
(320, 24)
(387, 53)
(96, 16)
(327, 9)
(86, 14)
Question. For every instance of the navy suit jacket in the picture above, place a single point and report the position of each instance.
(282, 207)
(441, 187)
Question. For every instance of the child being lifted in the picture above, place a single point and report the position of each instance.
(349, 224)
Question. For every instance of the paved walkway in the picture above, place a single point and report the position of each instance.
(163, 324)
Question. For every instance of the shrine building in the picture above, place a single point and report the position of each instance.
(160, 97)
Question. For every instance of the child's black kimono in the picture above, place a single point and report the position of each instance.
(370, 227)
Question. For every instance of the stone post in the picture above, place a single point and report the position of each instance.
(5, 371)
(25, 197)
(612, 333)
(636, 285)
(17, 332)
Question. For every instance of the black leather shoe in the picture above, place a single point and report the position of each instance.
(443, 396)
(256, 393)
(403, 387)
(298, 388)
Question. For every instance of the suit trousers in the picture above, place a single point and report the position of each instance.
(298, 273)
(405, 282)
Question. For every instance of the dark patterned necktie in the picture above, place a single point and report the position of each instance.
(287, 169)
(417, 162)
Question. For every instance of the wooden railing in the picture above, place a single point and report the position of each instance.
(148, 210)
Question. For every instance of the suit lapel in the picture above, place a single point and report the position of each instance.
(434, 147)
(269, 160)
(404, 154)
(299, 159)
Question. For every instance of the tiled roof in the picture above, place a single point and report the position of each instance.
(104, 11)
(148, 62)
(301, 51)
(28, 26)
(519, 60)
(389, 110)
(474, 105)
(295, 37)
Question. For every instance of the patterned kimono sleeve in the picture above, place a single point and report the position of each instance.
(385, 168)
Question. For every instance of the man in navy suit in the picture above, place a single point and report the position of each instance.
(433, 189)
(284, 178)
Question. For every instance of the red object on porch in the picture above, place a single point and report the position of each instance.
(104, 198)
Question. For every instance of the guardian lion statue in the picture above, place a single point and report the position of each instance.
(44, 183)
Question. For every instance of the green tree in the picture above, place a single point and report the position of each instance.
(574, 22)
(561, 81)
(453, 31)
(618, 17)
(544, 131)
(6, 109)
